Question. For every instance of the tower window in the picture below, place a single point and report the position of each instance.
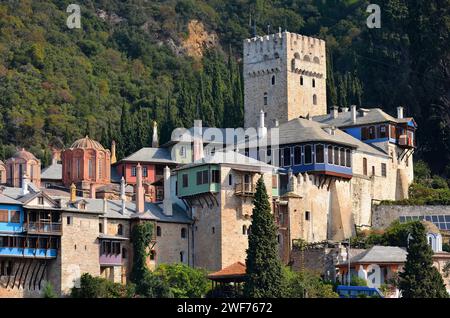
(301, 80)
(182, 257)
(307, 215)
(313, 82)
(315, 99)
(273, 79)
(365, 166)
(308, 154)
(120, 229)
(383, 169)
(100, 227)
(158, 231)
(265, 99)
(244, 230)
(183, 233)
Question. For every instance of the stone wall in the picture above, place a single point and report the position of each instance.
(384, 215)
(170, 244)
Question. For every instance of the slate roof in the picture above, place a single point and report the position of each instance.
(371, 116)
(52, 172)
(230, 158)
(7, 200)
(148, 154)
(380, 254)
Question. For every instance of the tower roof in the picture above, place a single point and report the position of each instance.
(87, 143)
(23, 154)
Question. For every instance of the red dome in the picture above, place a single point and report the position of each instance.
(87, 143)
(23, 154)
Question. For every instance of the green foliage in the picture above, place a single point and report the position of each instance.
(184, 281)
(264, 270)
(98, 287)
(421, 171)
(396, 234)
(152, 286)
(141, 235)
(305, 284)
(357, 281)
(434, 192)
(419, 278)
(49, 292)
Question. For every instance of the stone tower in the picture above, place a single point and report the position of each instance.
(285, 76)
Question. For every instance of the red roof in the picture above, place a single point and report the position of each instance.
(237, 269)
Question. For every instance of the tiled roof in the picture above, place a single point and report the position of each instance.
(52, 172)
(147, 154)
(87, 143)
(236, 269)
(23, 154)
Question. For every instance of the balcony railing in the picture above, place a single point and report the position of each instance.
(43, 227)
(110, 259)
(244, 189)
(404, 140)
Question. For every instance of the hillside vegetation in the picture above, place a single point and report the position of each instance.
(172, 61)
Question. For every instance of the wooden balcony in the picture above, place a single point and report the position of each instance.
(244, 189)
(43, 228)
(405, 141)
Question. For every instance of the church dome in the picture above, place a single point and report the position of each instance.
(23, 154)
(430, 227)
(87, 143)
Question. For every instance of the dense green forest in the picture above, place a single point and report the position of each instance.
(124, 67)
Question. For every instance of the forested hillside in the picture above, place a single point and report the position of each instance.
(175, 60)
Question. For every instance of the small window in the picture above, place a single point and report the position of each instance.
(383, 131)
(273, 79)
(265, 99)
(314, 99)
(307, 215)
(373, 170)
(100, 228)
(182, 257)
(330, 154)
(320, 154)
(286, 156)
(133, 171)
(120, 229)
(215, 176)
(144, 171)
(152, 255)
(372, 132)
(183, 233)
(308, 154)
(15, 217)
(301, 80)
(365, 166)
(199, 178)
(348, 158)
(244, 230)
(41, 200)
(342, 155)
(230, 179)
(158, 231)
(313, 82)
(297, 155)
(69, 220)
(205, 176)
(383, 170)
(124, 253)
(336, 156)
(278, 238)
(185, 181)
(213, 230)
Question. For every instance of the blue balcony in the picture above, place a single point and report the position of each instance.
(28, 252)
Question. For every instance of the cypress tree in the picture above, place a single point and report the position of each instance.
(420, 279)
(264, 270)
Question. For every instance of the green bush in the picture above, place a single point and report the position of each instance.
(48, 291)
(184, 281)
(306, 284)
(357, 281)
(98, 287)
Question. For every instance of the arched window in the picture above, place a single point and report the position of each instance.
(183, 233)
(307, 58)
(293, 64)
(158, 231)
(301, 80)
(320, 154)
(213, 230)
(120, 229)
(313, 82)
(276, 55)
(314, 99)
(244, 229)
(330, 154)
(273, 79)
(265, 99)
(316, 60)
(296, 56)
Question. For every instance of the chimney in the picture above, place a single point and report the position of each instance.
(92, 191)
(139, 190)
(167, 202)
(353, 107)
(113, 152)
(400, 112)
(73, 192)
(122, 210)
(105, 205)
(198, 140)
(292, 181)
(262, 130)
(122, 189)
(56, 156)
(334, 112)
(25, 182)
(155, 142)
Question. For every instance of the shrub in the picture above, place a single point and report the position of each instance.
(48, 291)
(98, 287)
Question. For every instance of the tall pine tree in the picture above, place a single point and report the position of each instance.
(264, 270)
(420, 279)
